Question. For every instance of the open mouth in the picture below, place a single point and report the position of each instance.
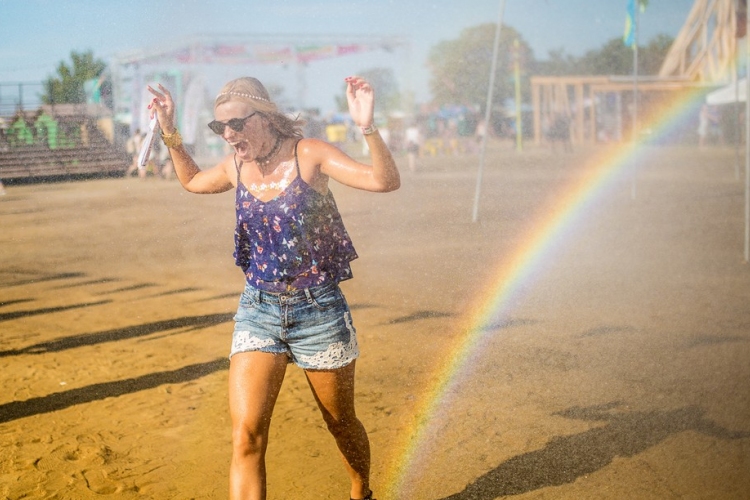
(240, 147)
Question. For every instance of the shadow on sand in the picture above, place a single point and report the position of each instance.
(567, 458)
(87, 339)
(47, 310)
(94, 392)
(418, 316)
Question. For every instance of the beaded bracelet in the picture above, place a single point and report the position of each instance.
(172, 140)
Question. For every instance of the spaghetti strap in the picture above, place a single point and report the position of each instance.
(238, 167)
(296, 160)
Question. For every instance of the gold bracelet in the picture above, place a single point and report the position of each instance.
(172, 140)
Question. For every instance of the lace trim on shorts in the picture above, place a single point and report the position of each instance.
(338, 354)
(242, 342)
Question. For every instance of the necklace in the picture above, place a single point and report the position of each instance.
(265, 160)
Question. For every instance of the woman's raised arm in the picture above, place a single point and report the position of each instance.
(192, 178)
(382, 175)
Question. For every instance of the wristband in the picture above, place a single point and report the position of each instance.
(369, 130)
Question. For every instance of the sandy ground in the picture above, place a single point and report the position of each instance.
(620, 371)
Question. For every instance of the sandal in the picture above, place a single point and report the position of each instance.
(367, 497)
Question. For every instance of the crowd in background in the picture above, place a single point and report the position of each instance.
(433, 131)
(159, 163)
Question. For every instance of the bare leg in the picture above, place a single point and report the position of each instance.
(334, 393)
(254, 382)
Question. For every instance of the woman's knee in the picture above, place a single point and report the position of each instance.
(249, 441)
(341, 424)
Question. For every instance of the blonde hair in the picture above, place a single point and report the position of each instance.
(250, 90)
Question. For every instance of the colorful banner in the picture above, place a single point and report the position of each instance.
(255, 54)
(313, 52)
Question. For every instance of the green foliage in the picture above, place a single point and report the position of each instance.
(614, 58)
(558, 63)
(68, 86)
(461, 67)
(652, 56)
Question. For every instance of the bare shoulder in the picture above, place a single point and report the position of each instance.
(315, 151)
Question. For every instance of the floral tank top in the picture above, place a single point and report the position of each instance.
(293, 241)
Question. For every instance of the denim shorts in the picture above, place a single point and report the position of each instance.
(313, 326)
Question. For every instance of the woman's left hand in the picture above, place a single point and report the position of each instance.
(361, 99)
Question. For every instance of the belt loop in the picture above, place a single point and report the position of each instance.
(309, 296)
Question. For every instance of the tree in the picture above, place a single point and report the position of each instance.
(387, 96)
(558, 64)
(461, 67)
(614, 58)
(654, 54)
(68, 87)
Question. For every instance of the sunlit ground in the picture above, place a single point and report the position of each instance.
(618, 370)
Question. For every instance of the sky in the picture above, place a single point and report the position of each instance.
(38, 34)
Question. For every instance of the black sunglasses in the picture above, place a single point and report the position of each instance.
(236, 124)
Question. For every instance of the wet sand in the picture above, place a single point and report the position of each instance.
(621, 371)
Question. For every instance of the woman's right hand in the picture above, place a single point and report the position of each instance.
(163, 106)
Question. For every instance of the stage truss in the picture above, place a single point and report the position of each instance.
(183, 65)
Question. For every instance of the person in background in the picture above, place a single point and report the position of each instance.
(413, 140)
(164, 166)
(293, 249)
(133, 147)
(704, 118)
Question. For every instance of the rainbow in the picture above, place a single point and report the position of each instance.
(508, 282)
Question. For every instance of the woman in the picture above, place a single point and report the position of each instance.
(294, 250)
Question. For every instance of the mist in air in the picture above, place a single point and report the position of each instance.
(552, 303)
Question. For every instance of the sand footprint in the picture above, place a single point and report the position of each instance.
(50, 462)
(98, 482)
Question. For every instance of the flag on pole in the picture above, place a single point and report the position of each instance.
(741, 18)
(629, 37)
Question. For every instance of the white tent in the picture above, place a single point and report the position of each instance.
(728, 94)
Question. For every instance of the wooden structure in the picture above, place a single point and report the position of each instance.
(576, 98)
(569, 96)
(705, 48)
(703, 54)
(86, 151)
(38, 162)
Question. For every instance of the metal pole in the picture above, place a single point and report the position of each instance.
(517, 75)
(488, 110)
(747, 138)
(635, 97)
(737, 120)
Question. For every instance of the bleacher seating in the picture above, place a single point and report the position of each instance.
(94, 155)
